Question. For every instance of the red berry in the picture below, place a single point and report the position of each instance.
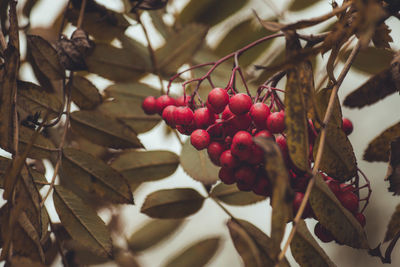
(228, 142)
(164, 101)
(240, 104)
(168, 115)
(299, 183)
(323, 234)
(149, 105)
(183, 116)
(218, 98)
(281, 142)
(242, 143)
(298, 198)
(203, 118)
(276, 122)
(257, 155)
(186, 129)
(245, 177)
(227, 160)
(259, 112)
(241, 122)
(347, 126)
(262, 186)
(214, 151)
(227, 175)
(216, 129)
(334, 186)
(349, 200)
(361, 219)
(182, 100)
(265, 134)
(347, 187)
(200, 139)
(227, 113)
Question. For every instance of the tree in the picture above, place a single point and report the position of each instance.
(250, 139)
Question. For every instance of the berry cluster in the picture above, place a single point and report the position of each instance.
(226, 125)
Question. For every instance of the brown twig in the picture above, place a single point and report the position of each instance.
(327, 117)
(81, 14)
(63, 19)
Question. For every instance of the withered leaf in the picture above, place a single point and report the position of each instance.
(196, 255)
(197, 164)
(381, 37)
(282, 194)
(334, 217)
(42, 147)
(172, 203)
(70, 56)
(231, 195)
(45, 57)
(378, 149)
(84, 94)
(82, 222)
(393, 172)
(144, 166)
(394, 225)
(103, 130)
(306, 250)
(152, 233)
(95, 177)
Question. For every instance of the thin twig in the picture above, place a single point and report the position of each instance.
(81, 14)
(327, 117)
(63, 20)
(178, 137)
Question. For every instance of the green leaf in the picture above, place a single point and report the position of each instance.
(172, 203)
(370, 60)
(209, 12)
(81, 222)
(298, 5)
(85, 172)
(84, 94)
(197, 255)
(249, 30)
(334, 217)
(378, 149)
(231, 195)
(180, 47)
(45, 57)
(394, 225)
(144, 166)
(103, 130)
(42, 147)
(198, 165)
(152, 233)
(306, 250)
(282, 195)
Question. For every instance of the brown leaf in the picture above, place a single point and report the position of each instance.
(298, 5)
(393, 172)
(84, 94)
(231, 195)
(172, 203)
(378, 149)
(381, 37)
(394, 225)
(24, 262)
(42, 147)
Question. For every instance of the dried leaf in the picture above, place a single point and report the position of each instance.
(197, 255)
(172, 203)
(231, 195)
(198, 165)
(334, 217)
(144, 166)
(81, 222)
(282, 194)
(45, 57)
(394, 225)
(378, 149)
(298, 5)
(306, 250)
(42, 147)
(103, 130)
(95, 177)
(393, 172)
(381, 37)
(84, 94)
(152, 233)
(148, 4)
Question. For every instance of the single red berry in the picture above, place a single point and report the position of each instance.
(168, 115)
(265, 134)
(227, 175)
(186, 129)
(218, 98)
(298, 198)
(241, 122)
(347, 187)
(361, 219)
(149, 105)
(349, 200)
(228, 142)
(227, 113)
(257, 155)
(227, 160)
(182, 100)
(334, 186)
(245, 177)
(347, 126)
(242, 143)
(323, 234)
(259, 112)
(183, 116)
(200, 139)
(281, 142)
(276, 122)
(214, 151)
(164, 101)
(240, 104)
(203, 118)
(262, 186)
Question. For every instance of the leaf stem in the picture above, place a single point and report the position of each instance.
(328, 114)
